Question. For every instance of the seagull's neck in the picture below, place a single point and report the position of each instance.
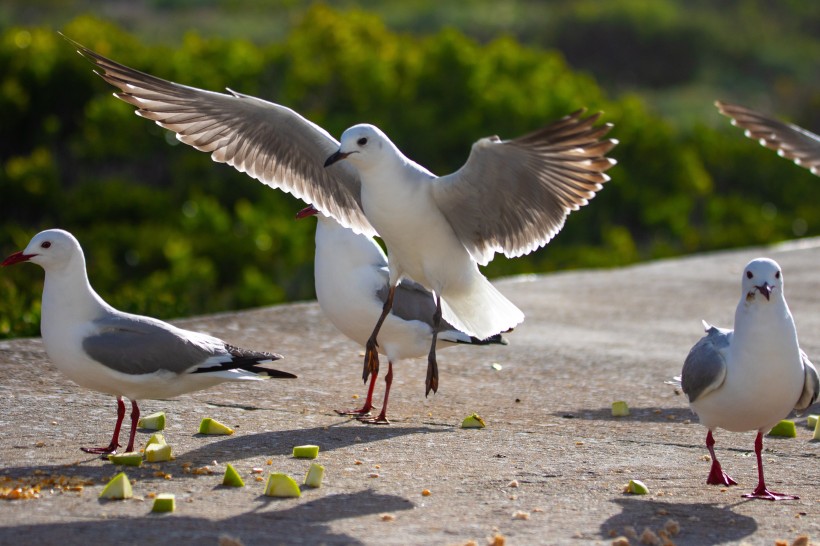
(765, 328)
(68, 296)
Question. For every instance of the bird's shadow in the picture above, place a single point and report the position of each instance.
(643, 414)
(304, 522)
(698, 523)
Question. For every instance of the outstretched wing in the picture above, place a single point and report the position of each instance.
(267, 141)
(790, 141)
(513, 196)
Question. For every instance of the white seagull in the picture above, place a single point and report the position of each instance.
(511, 196)
(132, 356)
(789, 140)
(753, 376)
(351, 277)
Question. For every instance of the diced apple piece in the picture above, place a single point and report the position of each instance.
(155, 421)
(127, 459)
(816, 430)
(473, 421)
(156, 453)
(281, 485)
(118, 488)
(156, 438)
(164, 502)
(314, 475)
(306, 452)
(212, 426)
(784, 428)
(637, 487)
(232, 477)
(811, 421)
(620, 409)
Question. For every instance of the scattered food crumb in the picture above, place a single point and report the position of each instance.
(672, 527)
(781, 542)
(387, 517)
(497, 540)
(630, 532)
(802, 540)
(662, 512)
(425, 493)
(225, 540)
(357, 462)
(579, 443)
(513, 483)
(355, 397)
(40, 444)
(378, 466)
(374, 474)
(257, 470)
(151, 495)
(536, 509)
(260, 478)
(520, 514)
(620, 541)
(649, 537)
(168, 477)
(202, 470)
(269, 462)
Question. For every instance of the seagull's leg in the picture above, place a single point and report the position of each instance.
(388, 380)
(135, 419)
(762, 492)
(371, 353)
(716, 475)
(115, 441)
(431, 383)
(368, 403)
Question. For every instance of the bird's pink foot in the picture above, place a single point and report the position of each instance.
(108, 450)
(380, 420)
(763, 493)
(364, 411)
(718, 477)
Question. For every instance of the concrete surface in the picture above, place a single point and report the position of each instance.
(591, 337)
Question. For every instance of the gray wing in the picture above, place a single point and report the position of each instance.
(704, 369)
(137, 345)
(811, 384)
(267, 141)
(513, 196)
(790, 141)
(413, 302)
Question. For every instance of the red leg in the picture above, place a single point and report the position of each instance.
(371, 353)
(762, 491)
(368, 403)
(115, 440)
(135, 419)
(716, 475)
(388, 380)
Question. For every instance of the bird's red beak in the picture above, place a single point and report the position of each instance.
(765, 289)
(17, 257)
(309, 210)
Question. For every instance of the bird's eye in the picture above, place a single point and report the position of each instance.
(777, 275)
(362, 141)
(45, 244)
(749, 275)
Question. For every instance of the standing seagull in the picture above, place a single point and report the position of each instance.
(351, 277)
(751, 377)
(790, 141)
(511, 196)
(121, 354)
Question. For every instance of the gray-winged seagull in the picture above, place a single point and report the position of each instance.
(751, 377)
(511, 196)
(351, 277)
(106, 350)
(789, 140)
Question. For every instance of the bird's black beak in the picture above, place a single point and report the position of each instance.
(309, 210)
(338, 156)
(765, 289)
(17, 257)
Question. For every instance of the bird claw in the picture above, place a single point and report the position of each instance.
(765, 494)
(380, 420)
(364, 411)
(108, 450)
(718, 477)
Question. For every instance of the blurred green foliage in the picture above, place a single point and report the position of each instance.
(168, 232)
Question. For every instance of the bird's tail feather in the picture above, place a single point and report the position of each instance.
(480, 311)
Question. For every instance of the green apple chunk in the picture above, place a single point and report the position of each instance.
(811, 421)
(156, 438)
(314, 475)
(212, 426)
(156, 453)
(232, 477)
(281, 485)
(473, 421)
(306, 452)
(127, 459)
(816, 431)
(620, 409)
(637, 487)
(164, 502)
(118, 488)
(155, 421)
(784, 428)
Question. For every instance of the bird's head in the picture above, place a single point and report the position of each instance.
(762, 276)
(361, 145)
(50, 249)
